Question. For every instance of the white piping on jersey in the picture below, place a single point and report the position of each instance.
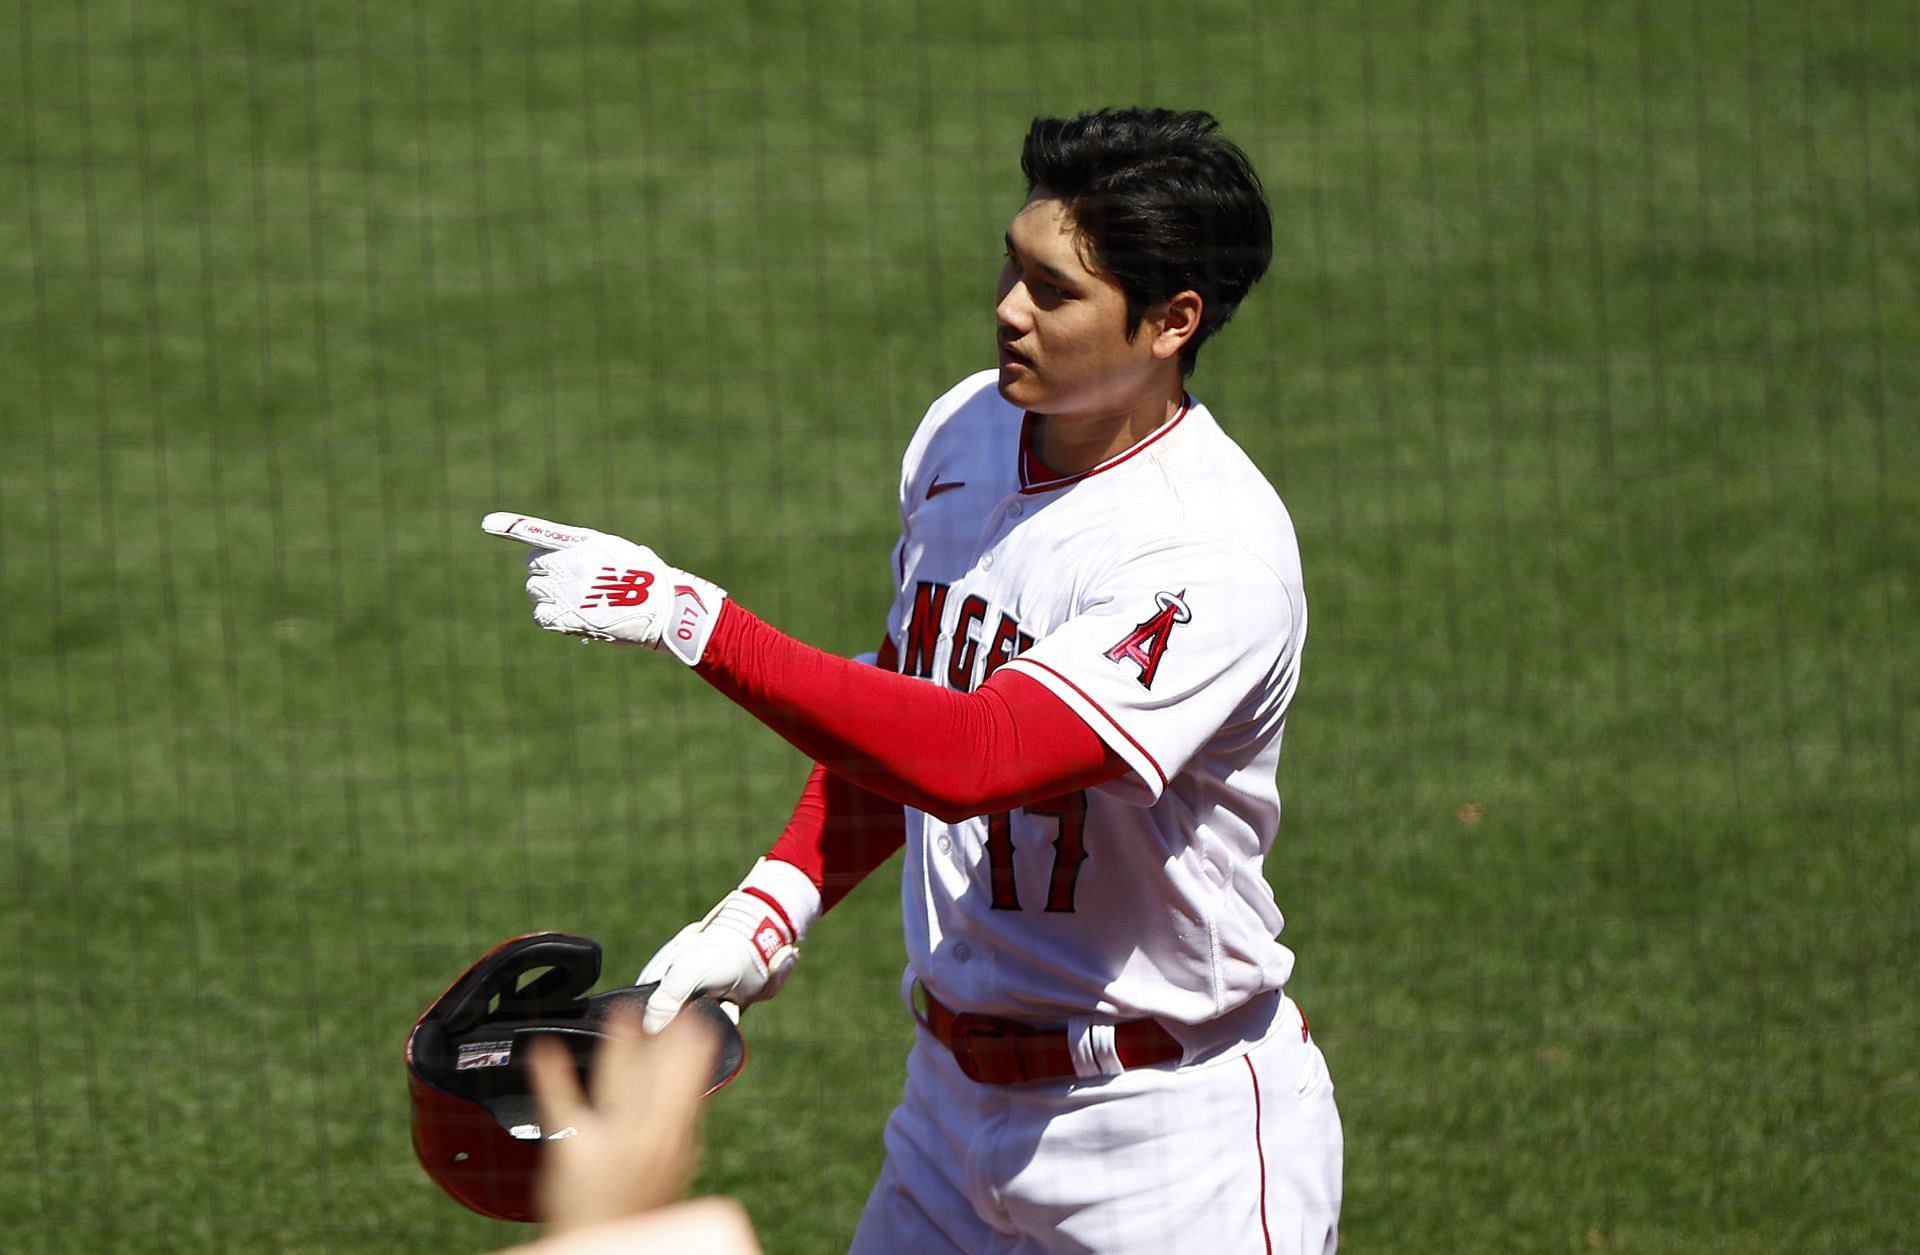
(1024, 662)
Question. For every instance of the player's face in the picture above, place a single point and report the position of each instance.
(1064, 349)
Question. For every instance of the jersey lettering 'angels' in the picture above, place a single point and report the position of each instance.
(955, 641)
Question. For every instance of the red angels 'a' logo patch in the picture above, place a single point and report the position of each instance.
(1147, 643)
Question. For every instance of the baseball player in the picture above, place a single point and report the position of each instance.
(1072, 726)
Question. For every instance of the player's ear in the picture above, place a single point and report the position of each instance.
(1174, 323)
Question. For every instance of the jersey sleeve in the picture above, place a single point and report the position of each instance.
(1170, 646)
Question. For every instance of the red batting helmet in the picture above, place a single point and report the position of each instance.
(476, 1127)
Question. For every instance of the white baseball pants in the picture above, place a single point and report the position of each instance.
(1239, 1155)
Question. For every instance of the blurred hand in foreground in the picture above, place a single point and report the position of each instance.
(634, 1141)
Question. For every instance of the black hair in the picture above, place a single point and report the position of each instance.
(1163, 202)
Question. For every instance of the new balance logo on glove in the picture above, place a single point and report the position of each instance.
(767, 939)
(619, 588)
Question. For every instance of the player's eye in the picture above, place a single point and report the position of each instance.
(1040, 287)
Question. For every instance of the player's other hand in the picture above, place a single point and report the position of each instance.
(741, 953)
(604, 588)
(634, 1143)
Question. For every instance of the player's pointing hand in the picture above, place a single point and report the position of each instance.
(604, 588)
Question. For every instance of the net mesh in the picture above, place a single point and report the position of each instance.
(1585, 367)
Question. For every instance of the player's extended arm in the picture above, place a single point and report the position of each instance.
(1008, 743)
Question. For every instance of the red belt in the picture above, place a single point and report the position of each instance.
(994, 1051)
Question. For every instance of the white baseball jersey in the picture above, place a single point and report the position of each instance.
(1159, 596)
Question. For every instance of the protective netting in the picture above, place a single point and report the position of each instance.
(1586, 367)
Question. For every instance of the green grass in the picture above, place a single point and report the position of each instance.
(1585, 366)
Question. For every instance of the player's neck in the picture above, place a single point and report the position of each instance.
(1071, 443)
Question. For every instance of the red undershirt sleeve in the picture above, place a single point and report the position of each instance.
(954, 755)
(838, 834)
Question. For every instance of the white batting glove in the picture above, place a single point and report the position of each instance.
(601, 587)
(742, 952)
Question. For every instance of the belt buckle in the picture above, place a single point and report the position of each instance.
(986, 1050)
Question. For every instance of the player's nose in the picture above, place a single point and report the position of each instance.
(1013, 314)
(1013, 311)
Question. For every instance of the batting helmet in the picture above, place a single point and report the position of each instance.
(476, 1127)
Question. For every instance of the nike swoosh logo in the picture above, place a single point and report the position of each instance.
(936, 487)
